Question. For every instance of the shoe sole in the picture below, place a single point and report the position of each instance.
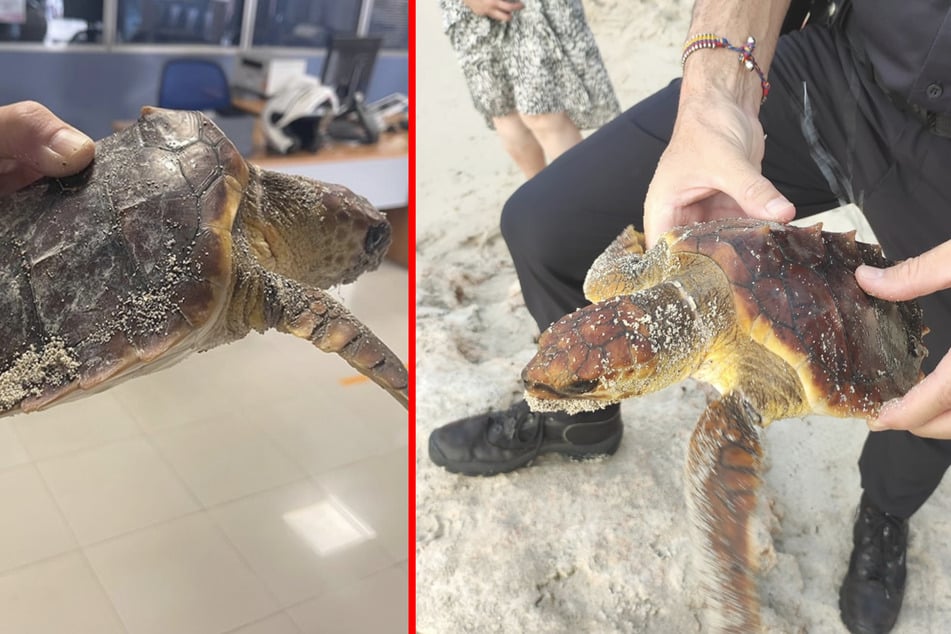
(606, 447)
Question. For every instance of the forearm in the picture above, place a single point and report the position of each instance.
(720, 70)
(712, 167)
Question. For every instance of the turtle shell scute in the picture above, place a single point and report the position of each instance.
(795, 293)
(122, 264)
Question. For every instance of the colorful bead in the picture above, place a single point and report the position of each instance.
(709, 40)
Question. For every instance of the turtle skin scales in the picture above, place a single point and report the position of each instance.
(795, 294)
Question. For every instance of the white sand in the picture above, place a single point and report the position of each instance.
(602, 546)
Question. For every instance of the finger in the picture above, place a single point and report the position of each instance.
(36, 137)
(758, 197)
(503, 10)
(659, 217)
(939, 427)
(733, 192)
(665, 201)
(914, 277)
(925, 402)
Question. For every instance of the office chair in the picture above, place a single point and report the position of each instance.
(195, 84)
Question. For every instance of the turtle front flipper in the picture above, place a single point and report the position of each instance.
(723, 473)
(625, 268)
(312, 314)
(610, 274)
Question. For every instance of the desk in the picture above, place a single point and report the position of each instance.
(380, 171)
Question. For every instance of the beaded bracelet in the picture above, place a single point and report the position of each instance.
(709, 40)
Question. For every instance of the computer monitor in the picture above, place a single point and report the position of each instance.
(88, 10)
(348, 66)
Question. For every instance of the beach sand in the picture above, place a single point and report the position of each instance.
(599, 546)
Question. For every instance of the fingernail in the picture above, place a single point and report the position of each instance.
(67, 142)
(776, 206)
(876, 424)
(870, 272)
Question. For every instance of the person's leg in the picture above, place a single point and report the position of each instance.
(520, 143)
(908, 211)
(873, 154)
(555, 132)
(900, 471)
(895, 169)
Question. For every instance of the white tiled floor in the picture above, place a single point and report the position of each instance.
(162, 506)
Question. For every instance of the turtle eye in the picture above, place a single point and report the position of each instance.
(580, 387)
(377, 236)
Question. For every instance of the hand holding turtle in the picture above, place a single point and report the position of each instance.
(711, 169)
(500, 10)
(926, 409)
(34, 142)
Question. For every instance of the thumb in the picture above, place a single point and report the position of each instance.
(914, 277)
(33, 136)
(755, 194)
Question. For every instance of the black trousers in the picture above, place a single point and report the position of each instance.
(833, 136)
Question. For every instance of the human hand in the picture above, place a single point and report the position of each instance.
(34, 142)
(712, 169)
(926, 409)
(500, 10)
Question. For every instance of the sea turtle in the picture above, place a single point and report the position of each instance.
(168, 243)
(771, 316)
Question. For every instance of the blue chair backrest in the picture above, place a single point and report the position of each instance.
(194, 84)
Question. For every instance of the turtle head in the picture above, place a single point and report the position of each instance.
(602, 354)
(313, 232)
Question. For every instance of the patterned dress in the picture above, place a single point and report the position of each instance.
(544, 60)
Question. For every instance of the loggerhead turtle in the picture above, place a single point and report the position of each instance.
(768, 314)
(168, 243)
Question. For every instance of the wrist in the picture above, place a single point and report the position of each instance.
(712, 65)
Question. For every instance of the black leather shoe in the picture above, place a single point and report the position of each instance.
(498, 442)
(871, 594)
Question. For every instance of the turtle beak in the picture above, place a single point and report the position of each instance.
(578, 389)
(553, 373)
(591, 354)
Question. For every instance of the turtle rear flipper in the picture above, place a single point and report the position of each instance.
(724, 465)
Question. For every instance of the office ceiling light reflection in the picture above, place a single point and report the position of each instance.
(329, 526)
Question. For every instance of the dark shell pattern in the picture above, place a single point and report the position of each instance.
(795, 292)
(130, 262)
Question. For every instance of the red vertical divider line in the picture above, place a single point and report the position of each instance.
(411, 266)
